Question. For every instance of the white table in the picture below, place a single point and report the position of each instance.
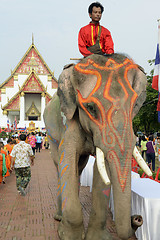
(86, 178)
(145, 197)
(146, 202)
(134, 175)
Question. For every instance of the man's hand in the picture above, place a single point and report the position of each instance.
(12, 168)
(32, 160)
(12, 163)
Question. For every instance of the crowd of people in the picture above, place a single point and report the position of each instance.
(18, 152)
(150, 149)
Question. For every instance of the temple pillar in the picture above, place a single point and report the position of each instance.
(5, 118)
(22, 107)
(42, 104)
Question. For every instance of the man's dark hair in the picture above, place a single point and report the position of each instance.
(22, 137)
(143, 138)
(1, 145)
(95, 4)
(9, 140)
(150, 138)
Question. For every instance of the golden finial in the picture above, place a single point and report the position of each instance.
(32, 39)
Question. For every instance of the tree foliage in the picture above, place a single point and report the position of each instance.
(147, 119)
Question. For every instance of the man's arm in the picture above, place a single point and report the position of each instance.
(108, 42)
(82, 45)
(12, 162)
(32, 160)
(31, 155)
(13, 157)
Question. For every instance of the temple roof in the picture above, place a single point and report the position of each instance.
(32, 85)
(32, 60)
(13, 103)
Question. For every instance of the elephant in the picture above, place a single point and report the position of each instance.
(91, 114)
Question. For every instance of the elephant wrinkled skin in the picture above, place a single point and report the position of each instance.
(94, 106)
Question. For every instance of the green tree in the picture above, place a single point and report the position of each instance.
(147, 118)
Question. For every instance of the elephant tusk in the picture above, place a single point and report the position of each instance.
(101, 166)
(141, 162)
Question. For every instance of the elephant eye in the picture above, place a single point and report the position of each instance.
(91, 108)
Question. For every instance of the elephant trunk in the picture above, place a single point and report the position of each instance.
(121, 183)
(125, 224)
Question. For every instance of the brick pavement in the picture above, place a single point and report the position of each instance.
(31, 217)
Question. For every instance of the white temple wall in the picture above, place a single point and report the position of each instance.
(2, 119)
(21, 79)
(16, 88)
(44, 80)
(50, 90)
(3, 99)
(53, 92)
(10, 92)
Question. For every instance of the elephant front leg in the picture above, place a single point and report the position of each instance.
(54, 149)
(71, 225)
(58, 215)
(100, 204)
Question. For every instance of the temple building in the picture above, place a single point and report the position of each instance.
(24, 95)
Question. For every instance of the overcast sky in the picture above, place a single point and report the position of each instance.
(55, 25)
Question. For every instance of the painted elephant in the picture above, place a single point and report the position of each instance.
(91, 113)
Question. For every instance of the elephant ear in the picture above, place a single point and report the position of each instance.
(139, 85)
(66, 92)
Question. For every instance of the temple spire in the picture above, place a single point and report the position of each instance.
(32, 39)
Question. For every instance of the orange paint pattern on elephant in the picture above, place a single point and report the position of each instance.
(109, 132)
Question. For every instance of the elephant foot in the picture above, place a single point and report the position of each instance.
(136, 221)
(58, 217)
(70, 232)
(95, 234)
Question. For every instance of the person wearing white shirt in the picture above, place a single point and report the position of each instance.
(22, 159)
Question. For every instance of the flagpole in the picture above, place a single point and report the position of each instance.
(159, 33)
(158, 70)
(159, 56)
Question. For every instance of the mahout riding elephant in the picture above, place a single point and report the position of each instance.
(90, 114)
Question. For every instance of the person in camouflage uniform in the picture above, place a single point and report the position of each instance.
(22, 159)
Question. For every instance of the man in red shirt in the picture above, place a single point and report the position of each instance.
(94, 38)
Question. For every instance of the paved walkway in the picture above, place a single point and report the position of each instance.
(31, 217)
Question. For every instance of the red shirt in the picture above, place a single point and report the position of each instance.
(88, 35)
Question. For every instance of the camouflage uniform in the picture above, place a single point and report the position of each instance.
(23, 176)
(22, 153)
